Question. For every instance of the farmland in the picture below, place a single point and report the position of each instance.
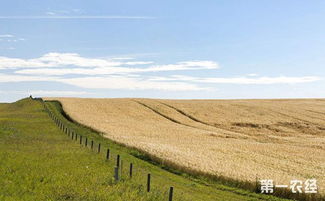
(236, 139)
(40, 162)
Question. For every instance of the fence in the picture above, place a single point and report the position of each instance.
(118, 168)
(84, 141)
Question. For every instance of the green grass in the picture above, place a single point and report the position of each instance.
(40, 162)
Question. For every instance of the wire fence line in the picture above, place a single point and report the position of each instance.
(84, 142)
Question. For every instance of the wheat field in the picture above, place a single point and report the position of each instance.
(240, 139)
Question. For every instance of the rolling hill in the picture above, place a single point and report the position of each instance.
(238, 140)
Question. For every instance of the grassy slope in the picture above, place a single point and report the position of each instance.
(39, 162)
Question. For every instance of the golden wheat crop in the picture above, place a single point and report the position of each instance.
(240, 139)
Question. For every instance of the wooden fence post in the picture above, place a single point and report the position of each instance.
(86, 142)
(171, 192)
(92, 144)
(118, 161)
(257, 190)
(107, 154)
(98, 147)
(116, 174)
(72, 136)
(148, 182)
(80, 139)
(131, 169)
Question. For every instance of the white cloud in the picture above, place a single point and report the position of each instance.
(97, 72)
(122, 58)
(56, 60)
(78, 71)
(6, 63)
(123, 73)
(186, 65)
(46, 93)
(63, 59)
(57, 93)
(50, 13)
(108, 82)
(60, 71)
(114, 82)
(63, 12)
(261, 80)
(109, 69)
(7, 48)
(241, 80)
(23, 78)
(10, 38)
(6, 36)
(138, 62)
(72, 63)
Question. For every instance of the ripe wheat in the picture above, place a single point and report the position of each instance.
(240, 139)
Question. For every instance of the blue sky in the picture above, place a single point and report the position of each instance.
(162, 49)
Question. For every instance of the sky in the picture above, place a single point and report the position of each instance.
(211, 49)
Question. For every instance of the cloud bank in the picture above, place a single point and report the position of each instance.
(126, 73)
(241, 80)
